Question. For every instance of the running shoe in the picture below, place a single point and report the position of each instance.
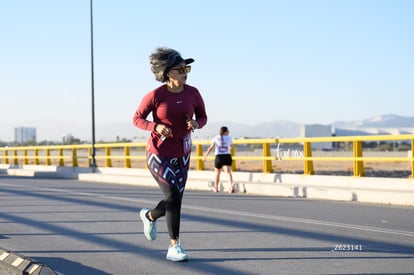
(176, 253)
(150, 228)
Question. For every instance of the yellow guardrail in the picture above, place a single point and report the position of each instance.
(78, 155)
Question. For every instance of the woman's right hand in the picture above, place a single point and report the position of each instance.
(163, 130)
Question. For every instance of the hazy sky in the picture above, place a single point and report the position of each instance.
(304, 61)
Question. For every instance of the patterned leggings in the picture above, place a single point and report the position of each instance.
(171, 176)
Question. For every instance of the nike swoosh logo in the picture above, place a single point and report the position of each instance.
(178, 102)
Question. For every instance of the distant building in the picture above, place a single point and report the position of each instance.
(318, 130)
(24, 134)
(67, 138)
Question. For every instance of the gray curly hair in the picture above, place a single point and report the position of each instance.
(163, 59)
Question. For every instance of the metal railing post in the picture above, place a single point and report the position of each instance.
(61, 161)
(307, 153)
(15, 159)
(412, 160)
(267, 163)
(26, 160)
(108, 161)
(233, 164)
(127, 160)
(48, 160)
(90, 156)
(358, 164)
(36, 157)
(74, 157)
(199, 160)
(6, 157)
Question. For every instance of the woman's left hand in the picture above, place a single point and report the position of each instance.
(191, 123)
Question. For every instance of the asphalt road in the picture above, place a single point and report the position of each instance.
(94, 228)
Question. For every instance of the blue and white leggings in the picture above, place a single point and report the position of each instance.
(171, 175)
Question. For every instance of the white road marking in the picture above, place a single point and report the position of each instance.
(231, 212)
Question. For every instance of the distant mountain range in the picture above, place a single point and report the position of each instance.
(378, 125)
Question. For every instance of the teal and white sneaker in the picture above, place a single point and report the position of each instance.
(176, 253)
(150, 228)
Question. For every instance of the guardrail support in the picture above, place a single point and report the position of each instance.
(127, 161)
(307, 153)
(267, 163)
(412, 160)
(36, 155)
(199, 160)
(108, 161)
(26, 160)
(90, 156)
(74, 157)
(48, 160)
(358, 164)
(61, 161)
(233, 163)
(6, 157)
(15, 159)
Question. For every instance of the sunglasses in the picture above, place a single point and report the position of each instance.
(182, 70)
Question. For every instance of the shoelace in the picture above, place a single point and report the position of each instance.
(178, 249)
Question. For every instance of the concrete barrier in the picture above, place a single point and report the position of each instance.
(16, 264)
(394, 191)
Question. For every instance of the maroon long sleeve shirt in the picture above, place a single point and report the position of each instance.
(171, 109)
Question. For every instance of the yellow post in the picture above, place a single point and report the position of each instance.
(15, 159)
(26, 160)
(412, 159)
(36, 156)
(358, 164)
(48, 161)
(267, 163)
(127, 162)
(108, 160)
(6, 157)
(199, 160)
(233, 164)
(61, 161)
(90, 156)
(74, 157)
(307, 153)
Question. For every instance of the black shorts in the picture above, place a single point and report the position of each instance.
(222, 160)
